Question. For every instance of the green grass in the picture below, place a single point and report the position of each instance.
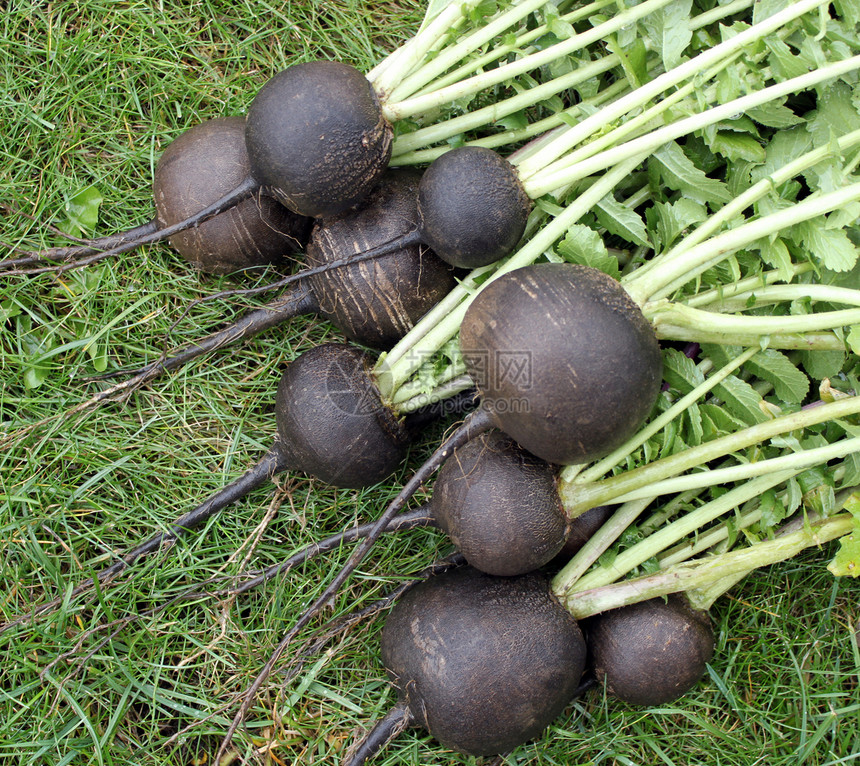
(91, 93)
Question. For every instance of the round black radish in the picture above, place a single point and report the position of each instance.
(316, 137)
(332, 423)
(199, 167)
(483, 663)
(652, 652)
(376, 302)
(499, 505)
(473, 207)
(565, 361)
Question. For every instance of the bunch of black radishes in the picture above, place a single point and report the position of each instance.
(561, 361)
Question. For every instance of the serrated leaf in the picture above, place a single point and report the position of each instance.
(622, 221)
(830, 247)
(679, 173)
(741, 399)
(668, 29)
(789, 383)
(835, 114)
(784, 146)
(846, 563)
(737, 146)
(681, 372)
(776, 255)
(774, 115)
(669, 220)
(583, 245)
(822, 364)
(853, 339)
(783, 62)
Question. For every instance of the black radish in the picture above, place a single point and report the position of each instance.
(195, 169)
(483, 663)
(652, 652)
(472, 209)
(565, 362)
(316, 137)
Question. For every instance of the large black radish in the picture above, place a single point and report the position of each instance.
(483, 663)
(652, 652)
(196, 169)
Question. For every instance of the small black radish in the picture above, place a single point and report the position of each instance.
(472, 209)
(483, 663)
(316, 137)
(652, 652)
(195, 169)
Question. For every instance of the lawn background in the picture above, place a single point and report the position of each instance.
(91, 93)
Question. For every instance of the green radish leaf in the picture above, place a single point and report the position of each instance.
(774, 114)
(667, 220)
(784, 64)
(681, 372)
(583, 245)
(741, 399)
(830, 247)
(679, 173)
(776, 255)
(737, 146)
(789, 383)
(846, 563)
(836, 112)
(82, 212)
(668, 29)
(622, 221)
(822, 364)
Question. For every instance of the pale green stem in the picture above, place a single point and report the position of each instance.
(608, 533)
(406, 148)
(606, 464)
(699, 574)
(743, 300)
(408, 359)
(806, 341)
(443, 390)
(413, 389)
(420, 104)
(518, 46)
(650, 90)
(664, 315)
(734, 209)
(386, 75)
(577, 498)
(496, 111)
(465, 45)
(704, 255)
(555, 177)
(743, 287)
(434, 133)
(796, 461)
(570, 579)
